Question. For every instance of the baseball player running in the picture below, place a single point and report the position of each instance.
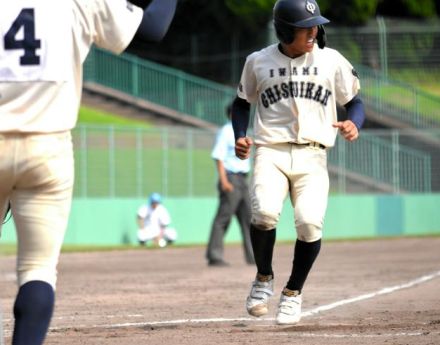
(295, 85)
(43, 45)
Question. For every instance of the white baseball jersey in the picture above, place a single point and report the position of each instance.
(296, 98)
(42, 47)
(156, 223)
(157, 217)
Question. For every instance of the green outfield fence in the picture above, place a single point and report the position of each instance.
(206, 100)
(119, 162)
(159, 84)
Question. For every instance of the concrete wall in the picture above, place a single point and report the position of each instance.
(113, 221)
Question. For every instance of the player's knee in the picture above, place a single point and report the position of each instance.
(264, 221)
(308, 232)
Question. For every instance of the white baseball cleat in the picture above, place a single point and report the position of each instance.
(261, 291)
(289, 308)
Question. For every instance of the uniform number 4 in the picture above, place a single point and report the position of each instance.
(25, 20)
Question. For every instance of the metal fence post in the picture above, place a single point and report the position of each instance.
(135, 76)
(190, 149)
(165, 161)
(342, 166)
(427, 184)
(181, 93)
(383, 45)
(84, 182)
(416, 106)
(395, 160)
(379, 95)
(111, 160)
(139, 163)
(376, 160)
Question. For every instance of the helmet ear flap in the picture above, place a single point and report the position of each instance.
(285, 34)
(321, 37)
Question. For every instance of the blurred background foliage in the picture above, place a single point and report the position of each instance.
(409, 8)
(212, 39)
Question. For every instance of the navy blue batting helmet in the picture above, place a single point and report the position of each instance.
(291, 14)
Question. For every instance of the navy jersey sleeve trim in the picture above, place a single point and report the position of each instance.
(156, 20)
(240, 117)
(355, 111)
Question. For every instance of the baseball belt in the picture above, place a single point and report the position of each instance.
(312, 144)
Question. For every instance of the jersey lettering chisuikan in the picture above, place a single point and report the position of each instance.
(296, 98)
(42, 47)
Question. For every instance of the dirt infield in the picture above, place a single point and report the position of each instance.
(366, 292)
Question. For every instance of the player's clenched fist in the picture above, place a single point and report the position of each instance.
(348, 130)
(243, 147)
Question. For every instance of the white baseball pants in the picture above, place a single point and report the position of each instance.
(36, 174)
(300, 171)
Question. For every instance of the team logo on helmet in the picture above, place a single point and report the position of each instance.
(311, 7)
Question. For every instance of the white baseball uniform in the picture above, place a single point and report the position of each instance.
(43, 45)
(295, 104)
(156, 221)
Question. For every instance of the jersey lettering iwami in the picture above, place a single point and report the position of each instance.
(296, 98)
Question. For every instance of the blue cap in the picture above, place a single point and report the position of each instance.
(155, 198)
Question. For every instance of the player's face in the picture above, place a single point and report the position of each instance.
(303, 42)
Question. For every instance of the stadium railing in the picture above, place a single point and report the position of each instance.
(206, 100)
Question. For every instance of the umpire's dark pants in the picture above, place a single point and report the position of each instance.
(232, 203)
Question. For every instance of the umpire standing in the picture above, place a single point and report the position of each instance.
(233, 194)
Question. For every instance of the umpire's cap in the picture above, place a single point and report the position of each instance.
(298, 13)
(155, 198)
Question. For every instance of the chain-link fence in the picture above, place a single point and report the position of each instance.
(133, 162)
(391, 46)
(206, 100)
(398, 48)
(387, 161)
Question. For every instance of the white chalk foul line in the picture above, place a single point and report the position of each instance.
(314, 311)
(311, 312)
(357, 335)
(380, 292)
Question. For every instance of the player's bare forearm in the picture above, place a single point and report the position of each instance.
(347, 129)
(243, 147)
